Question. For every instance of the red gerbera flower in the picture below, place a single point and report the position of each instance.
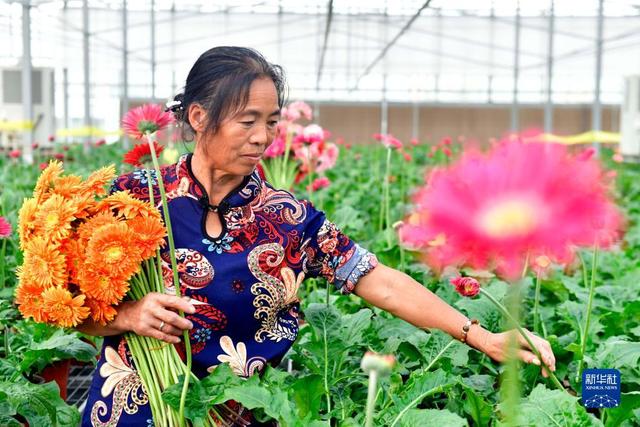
(147, 118)
(140, 154)
(466, 286)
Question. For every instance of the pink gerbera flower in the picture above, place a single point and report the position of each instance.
(317, 157)
(319, 183)
(277, 147)
(296, 110)
(491, 211)
(5, 228)
(147, 118)
(388, 140)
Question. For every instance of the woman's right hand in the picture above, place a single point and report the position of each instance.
(156, 315)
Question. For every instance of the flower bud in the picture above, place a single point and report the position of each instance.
(381, 363)
(466, 286)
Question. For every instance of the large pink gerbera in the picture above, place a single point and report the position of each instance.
(147, 118)
(491, 211)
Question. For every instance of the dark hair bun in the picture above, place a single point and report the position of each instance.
(219, 81)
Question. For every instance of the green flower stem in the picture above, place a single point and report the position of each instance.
(510, 385)
(325, 343)
(310, 183)
(439, 355)
(287, 148)
(387, 203)
(585, 331)
(415, 401)
(7, 347)
(152, 200)
(174, 269)
(3, 249)
(143, 366)
(506, 313)
(371, 397)
(328, 292)
(536, 303)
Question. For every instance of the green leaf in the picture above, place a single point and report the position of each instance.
(251, 396)
(623, 412)
(478, 409)
(617, 352)
(432, 417)
(322, 318)
(39, 404)
(197, 403)
(308, 393)
(458, 353)
(203, 394)
(480, 382)
(544, 407)
(419, 386)
(348, 219)
(354, 326)
(59, 346)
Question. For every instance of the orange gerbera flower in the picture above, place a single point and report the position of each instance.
(73, 251)
(44, 263)
(46, 179)
(85, 205)
(96, 182)
(27, 221)
(63, 308)
(112, 246)
(98, 284)
(67, 186)
(101, 312)
(54, 218)
(29, 299)
(90, 227)
(128, 206)
(150, 235)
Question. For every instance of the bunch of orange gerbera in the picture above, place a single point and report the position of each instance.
(81, 248)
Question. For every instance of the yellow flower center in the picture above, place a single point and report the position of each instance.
(51, 219)
(509, 218)
(114, 254)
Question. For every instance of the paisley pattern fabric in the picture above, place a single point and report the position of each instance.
(244, 283)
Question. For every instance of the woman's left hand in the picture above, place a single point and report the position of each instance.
(496, 346)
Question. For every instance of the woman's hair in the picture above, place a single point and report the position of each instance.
(220, 80)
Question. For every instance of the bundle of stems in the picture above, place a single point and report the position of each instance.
(158, 363)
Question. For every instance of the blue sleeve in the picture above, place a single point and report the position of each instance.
(331, 254)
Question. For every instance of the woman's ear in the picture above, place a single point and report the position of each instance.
(197, 117)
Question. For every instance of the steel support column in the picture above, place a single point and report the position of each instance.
(27, 96)
(153, 51)
(85, 60)
(515, 119)
(548, 107)
(596, 111)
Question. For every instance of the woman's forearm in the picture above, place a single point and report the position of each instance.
(119, 325)
(402, 296)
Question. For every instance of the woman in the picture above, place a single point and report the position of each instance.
(243, 249)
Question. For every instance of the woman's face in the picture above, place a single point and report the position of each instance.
(238, 145)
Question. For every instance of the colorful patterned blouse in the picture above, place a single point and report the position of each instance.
(243, 283)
